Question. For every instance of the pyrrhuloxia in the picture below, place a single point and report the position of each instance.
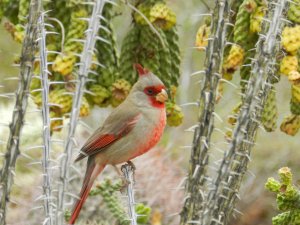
(132, 129)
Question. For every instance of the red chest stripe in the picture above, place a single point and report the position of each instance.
(154, 136)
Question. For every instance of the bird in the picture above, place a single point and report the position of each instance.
(132, 129)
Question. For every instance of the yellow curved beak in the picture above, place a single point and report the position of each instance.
(162, 96)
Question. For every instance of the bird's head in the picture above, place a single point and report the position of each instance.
(149, 88)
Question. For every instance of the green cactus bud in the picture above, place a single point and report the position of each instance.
(129, 54)
(290, 125)
(282, 219)
(288, 198)
(234, 59)
(294, 11)
(285, 175)
(64, 64)
(162, 16)
(256, 19)
(295, 100)
(242, 24)
(174, 114)
(285, 204)
(120, 90)
(143, 213)
(100, 95)
(273, 185)
(62, 100)
(270, 112)
(173, 42)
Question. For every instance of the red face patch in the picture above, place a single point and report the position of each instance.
(152, 91)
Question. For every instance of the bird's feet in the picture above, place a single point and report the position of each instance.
(132, 165)
(126, 178)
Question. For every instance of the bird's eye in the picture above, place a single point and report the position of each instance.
(150, 91)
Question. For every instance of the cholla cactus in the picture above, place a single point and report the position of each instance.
(26, 64)
(288, 197)
(107, 191)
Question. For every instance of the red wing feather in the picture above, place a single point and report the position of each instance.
(99, 141)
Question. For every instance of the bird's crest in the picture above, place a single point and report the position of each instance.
(141, 70)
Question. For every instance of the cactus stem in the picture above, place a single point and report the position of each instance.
(84, 65)
(29, 48)
(194, 205)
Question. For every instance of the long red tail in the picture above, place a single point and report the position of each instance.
(92, 171)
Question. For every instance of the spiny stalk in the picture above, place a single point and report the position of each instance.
(29, 48)
(221, 200)
(128, 171)
(195, 201)
(84, 67)
(47, 189)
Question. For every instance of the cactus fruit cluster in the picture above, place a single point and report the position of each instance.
(151, 41)
(288, 198)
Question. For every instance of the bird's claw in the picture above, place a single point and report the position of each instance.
(132, 165)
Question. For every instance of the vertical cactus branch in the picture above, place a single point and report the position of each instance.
(128, 171)
(221, 199)
(84, 68)
(194, 202)
(47, 195)
(26, 66)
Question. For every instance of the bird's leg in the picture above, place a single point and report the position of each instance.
(125, 182)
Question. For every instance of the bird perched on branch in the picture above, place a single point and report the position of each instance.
(132, 129)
